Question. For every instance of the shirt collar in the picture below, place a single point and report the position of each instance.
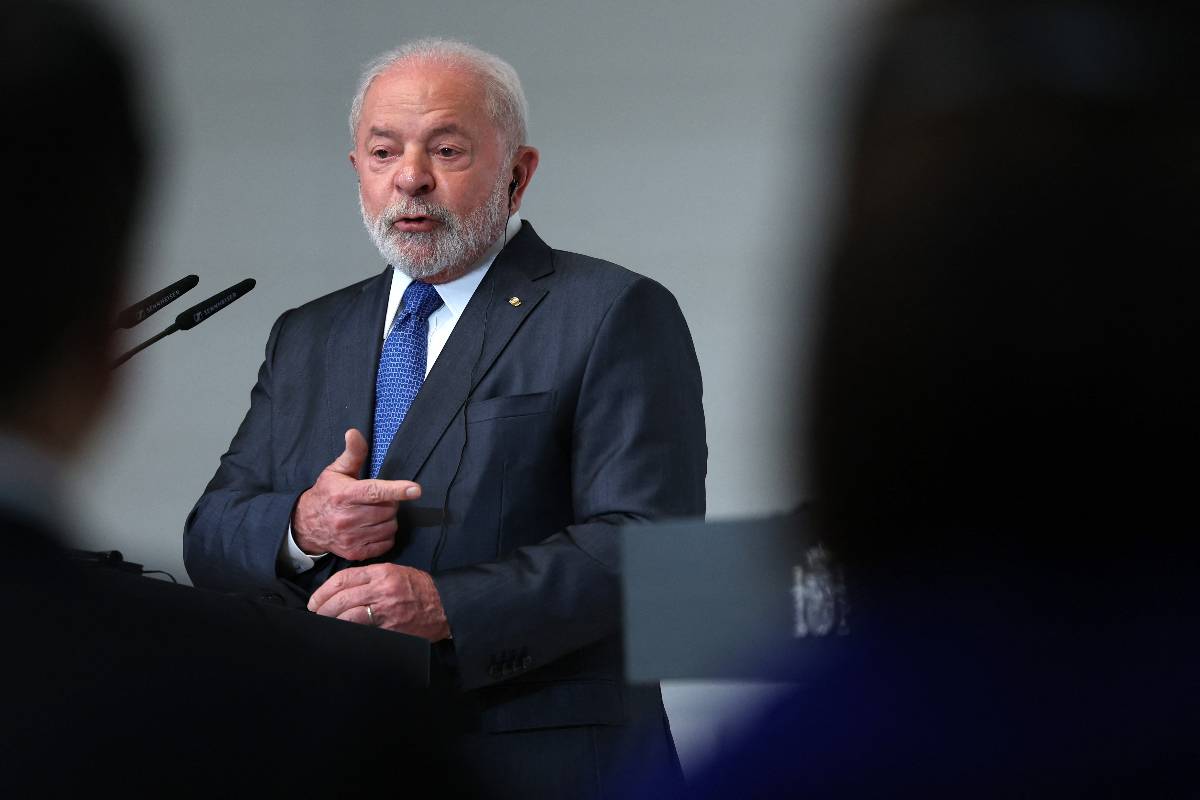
(457, 293)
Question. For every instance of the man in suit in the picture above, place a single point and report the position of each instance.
(112, 677)
(520, 403)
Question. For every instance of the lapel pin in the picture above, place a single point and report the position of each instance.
(514, 301)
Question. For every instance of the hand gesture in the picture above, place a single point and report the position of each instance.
(351, 518)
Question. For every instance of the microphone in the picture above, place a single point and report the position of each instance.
(202, 311)
(140, 312)
(193, 316)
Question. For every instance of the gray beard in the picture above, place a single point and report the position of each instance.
(450, 248)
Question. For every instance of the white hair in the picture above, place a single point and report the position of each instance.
(506, 103)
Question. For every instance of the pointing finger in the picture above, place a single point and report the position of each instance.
(380, 491)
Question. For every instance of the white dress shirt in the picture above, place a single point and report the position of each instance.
(455, 295)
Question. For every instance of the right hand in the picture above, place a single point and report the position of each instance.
(351, 518)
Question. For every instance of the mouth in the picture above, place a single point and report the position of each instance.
(414, 224)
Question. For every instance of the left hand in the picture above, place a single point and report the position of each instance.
(402, 599)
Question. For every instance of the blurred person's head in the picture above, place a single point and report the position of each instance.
(72, 150)
(1010, 330)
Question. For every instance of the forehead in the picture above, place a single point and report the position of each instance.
(424, 94)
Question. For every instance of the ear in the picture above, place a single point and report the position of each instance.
(525, 163)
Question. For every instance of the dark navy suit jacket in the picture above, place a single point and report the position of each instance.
(582, 400)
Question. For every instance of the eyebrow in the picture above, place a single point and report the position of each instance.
(388, 133)
(450, 127)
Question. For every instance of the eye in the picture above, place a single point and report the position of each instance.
(447, 152)
(380, 152)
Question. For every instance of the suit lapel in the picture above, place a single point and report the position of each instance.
(480, 335)
(352, 358)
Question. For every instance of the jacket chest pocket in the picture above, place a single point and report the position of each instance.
(516, 405)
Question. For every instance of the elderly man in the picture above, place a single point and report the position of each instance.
(446, 449)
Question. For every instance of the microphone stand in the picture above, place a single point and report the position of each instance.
(131, 353)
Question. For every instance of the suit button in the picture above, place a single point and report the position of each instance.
(526, 662)
(271, 597)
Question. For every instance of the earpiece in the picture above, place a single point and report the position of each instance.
(512, 188)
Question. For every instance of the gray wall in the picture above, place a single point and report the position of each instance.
(692, 142)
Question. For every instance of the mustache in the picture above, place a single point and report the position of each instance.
(413, 208)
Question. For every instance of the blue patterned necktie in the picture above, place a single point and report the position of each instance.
(401, 366)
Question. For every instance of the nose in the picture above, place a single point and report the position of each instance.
(413, 176)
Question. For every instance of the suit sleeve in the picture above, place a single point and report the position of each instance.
(638, 453)
(233, 536)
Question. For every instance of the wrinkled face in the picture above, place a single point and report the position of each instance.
(433, 177)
